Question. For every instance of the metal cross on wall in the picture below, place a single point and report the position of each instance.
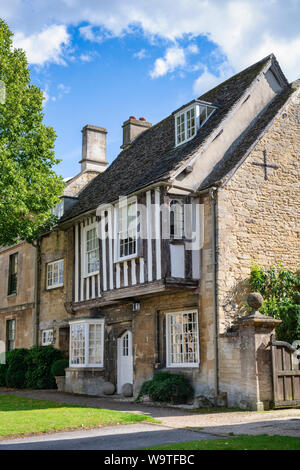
(266, 165)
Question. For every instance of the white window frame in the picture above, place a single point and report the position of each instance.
(59, 284)
(58, 210)
(177, 235)
(47, 333)
(85, 260)
(86, 326)
(168, 337)
(119, 206)
(196, 107)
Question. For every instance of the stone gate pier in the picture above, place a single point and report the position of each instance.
(245, 361)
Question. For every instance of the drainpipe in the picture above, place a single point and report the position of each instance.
(213, 195)
(37, 291)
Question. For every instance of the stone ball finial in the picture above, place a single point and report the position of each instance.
(255, 300)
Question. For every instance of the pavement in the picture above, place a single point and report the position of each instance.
(177, 425)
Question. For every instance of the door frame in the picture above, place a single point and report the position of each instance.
(130, 350)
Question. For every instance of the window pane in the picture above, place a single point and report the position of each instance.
(190, 123)
(78, 344)
(13, 274)
(203, 114)
(176, 218)
(183, 338)
(180, 128)
(11, 334)
(127, 230)
(209, 111)
(55, 273)
(95, 343)
(92, 251)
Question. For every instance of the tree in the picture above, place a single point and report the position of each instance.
(280, 289)
(29, 187)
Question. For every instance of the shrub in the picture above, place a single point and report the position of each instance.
(58, 367)
(3, 370)
(16, 368)
(167, 387)
(280, 289)
(39, 362)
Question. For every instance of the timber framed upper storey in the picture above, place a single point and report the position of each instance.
(197, 147)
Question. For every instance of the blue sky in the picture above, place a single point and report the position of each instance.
(100, 61)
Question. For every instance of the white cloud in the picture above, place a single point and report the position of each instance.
(193, 49)
(174, 57)
(63, 88)
(208, 80)
(46, 46)
(86, 57)
(242, 29)
(140, 54)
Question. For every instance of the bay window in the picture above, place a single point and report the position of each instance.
(182, 339)
(86, 343)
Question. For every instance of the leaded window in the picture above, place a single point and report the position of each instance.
(86, 343)
(182, 339)
(92, 251)
(127, 229)
(55, 274)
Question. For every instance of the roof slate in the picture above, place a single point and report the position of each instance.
(152, 156)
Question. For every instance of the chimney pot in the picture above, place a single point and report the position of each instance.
(142, 119)
(132, 117)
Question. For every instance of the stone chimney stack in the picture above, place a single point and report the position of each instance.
(93, 149)
(132, 128)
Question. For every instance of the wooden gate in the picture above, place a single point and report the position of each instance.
(286, 374)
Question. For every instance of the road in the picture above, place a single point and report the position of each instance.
(125, 437)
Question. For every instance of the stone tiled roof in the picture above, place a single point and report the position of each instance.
(153, 157)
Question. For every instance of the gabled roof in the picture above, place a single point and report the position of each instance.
(153, 157)
(233, 159)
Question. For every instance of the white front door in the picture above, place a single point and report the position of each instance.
(125, 360)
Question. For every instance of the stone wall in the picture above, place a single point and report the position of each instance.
(53, 313)
(19, 306)
(246, 364)
(258, 219)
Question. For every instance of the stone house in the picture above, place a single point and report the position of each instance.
(22, 290)
(155, 252)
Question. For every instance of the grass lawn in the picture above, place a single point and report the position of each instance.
(20, 416)
(242, 442)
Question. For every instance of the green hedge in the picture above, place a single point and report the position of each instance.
(16, 368)
(39, 362)
(167, 387)
(58, 367)
(29, 368)
(280, 289)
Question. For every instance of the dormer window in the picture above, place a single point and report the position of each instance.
(189, 120)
